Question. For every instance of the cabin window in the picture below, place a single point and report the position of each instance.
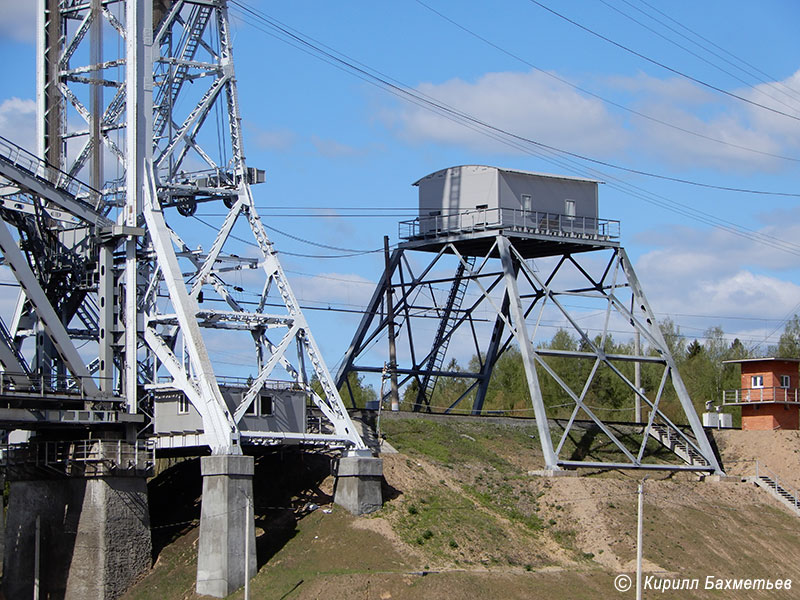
(569, 208)
(183, 405)
(757, 381)
(527, 202)
(261, 406)
(265, 406)
(435, 213)
(481, 207)
(785, 381)
(253, 408)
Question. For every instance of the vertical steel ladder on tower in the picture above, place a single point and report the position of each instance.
(449, 318)
(169, 94)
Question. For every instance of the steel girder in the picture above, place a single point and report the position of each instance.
(511, 301)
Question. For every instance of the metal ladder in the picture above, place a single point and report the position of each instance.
(449, 317)
(199, 21)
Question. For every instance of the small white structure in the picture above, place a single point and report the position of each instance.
(469, 197)
(718, 420)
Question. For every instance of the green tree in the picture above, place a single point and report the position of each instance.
(354, 392)
(675, 341)
(789, 344)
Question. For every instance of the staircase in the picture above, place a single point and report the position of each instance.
(168, 94)
(673, 441)
(770, 482)
(447, 322)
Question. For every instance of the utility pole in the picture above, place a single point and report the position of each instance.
(637, 377)
(394, 395)
(639, 523)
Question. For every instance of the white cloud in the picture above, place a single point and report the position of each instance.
(263, 139)
(18, 122)
(715, 273)
(536, 106)
(19, 20)
(333, 149)
(529, 104)
(690, 107)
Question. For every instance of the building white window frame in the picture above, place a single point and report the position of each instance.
(266, 405)
(263, 405)
(183, 405)
(786, 381)
(526, 201)
(756, 381)
(570, 208)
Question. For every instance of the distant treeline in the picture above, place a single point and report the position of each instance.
(701, 363)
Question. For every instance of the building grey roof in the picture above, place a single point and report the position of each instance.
(516, 171)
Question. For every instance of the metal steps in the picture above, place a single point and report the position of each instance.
(673, 441)
(770, 482)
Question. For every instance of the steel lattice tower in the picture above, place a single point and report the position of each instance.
(485, 279)
(130, 293)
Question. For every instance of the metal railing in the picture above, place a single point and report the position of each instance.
(43, 170)
(788, 492)
(764, 394)
(545, 223)
(41, 385)
(245, 382)
(89, 457)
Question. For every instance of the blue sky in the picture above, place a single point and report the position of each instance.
(336, 148)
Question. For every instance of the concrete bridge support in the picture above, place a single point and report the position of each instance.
(226, 525)
(358, 482)
(93, 536)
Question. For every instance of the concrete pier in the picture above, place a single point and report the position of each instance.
(94, 536)
(359, 476)
(225, 520)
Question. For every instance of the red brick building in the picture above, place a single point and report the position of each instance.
(768, 395)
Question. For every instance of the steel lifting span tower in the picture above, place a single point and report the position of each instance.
(495, 261)
(143, 265)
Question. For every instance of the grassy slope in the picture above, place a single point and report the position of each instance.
(462, 508)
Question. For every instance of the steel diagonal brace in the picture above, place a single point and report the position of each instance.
(654, 336)
(52, 323)
(264, 374)
(216, 248)
(338, 414)
(677, 381)
(221, 288)
(222, 432)
(579, 404)
(520, 331)
(196, 116)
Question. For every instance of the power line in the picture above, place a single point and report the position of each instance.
(451, 113)
(253, 244)
(770, 80)
(662, 65)
(598, 96)
(695, 54)
(319, 245)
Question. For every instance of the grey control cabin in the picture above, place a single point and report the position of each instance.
(278, 407)
(469, 197)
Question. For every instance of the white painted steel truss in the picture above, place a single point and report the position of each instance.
(166, 140)
(503, 298)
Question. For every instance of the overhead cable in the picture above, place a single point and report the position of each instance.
(662, 65)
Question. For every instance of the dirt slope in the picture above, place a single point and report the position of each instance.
(464, 519)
